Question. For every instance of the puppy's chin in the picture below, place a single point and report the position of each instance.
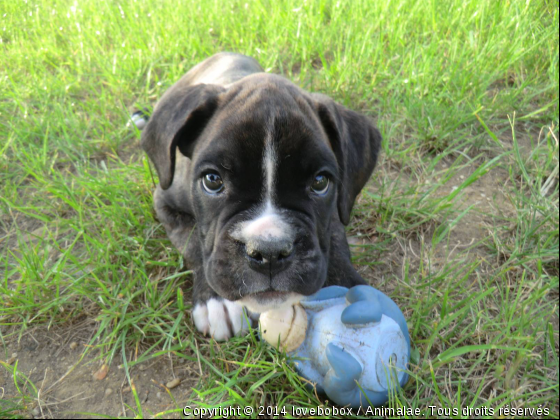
(269, 300)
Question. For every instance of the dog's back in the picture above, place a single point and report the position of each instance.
(221, 69)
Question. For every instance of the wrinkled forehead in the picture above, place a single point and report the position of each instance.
(280, 134)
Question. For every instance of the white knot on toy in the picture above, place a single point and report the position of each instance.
(286, 327)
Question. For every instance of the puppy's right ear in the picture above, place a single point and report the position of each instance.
(178, 120)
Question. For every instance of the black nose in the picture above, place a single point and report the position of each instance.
(269, 256)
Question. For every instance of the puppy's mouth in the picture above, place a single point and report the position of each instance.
(269, 299)
(270, 294)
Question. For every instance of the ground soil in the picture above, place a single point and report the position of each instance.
(67, 387)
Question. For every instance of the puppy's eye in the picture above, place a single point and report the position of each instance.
(212, 183)
(320, 184)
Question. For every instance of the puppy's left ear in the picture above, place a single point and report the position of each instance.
(355, 143)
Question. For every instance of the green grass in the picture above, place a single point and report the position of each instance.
(466, 96)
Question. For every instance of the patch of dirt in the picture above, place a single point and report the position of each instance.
(59, 363)
(13, 222)
(487, 198)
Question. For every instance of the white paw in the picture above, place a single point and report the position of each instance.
(221, 319)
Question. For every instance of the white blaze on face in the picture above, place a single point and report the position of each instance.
(268, 223)
(270, 163)
(267, 226)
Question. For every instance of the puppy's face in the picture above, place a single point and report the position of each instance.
(264, 189)
(268, 168)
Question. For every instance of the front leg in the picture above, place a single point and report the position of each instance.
(215, 316)
(172, 211)
(212, 315)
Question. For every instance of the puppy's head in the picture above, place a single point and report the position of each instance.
(271, 168)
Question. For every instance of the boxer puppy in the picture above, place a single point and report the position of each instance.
(257, 179)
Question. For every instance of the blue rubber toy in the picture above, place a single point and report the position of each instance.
(356, 347)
